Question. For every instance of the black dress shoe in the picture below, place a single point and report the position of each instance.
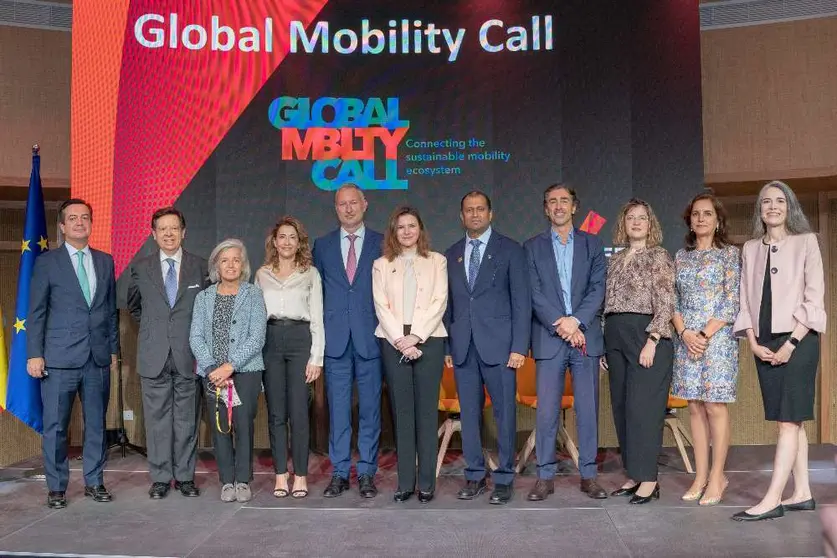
(336, 487)
(425, 496)
(542, 489)
(403, 495)
(502, 494)
(472, 489)
(592, 489)
(775, 513)
(625, 491)
(158, 490)
(655, 495)
(366, 486)
(56, 500)
(187, 488)
(807, 505)
(99, 493)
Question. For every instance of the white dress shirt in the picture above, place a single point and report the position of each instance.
(88, 266)
(344, 243)
(177, 257)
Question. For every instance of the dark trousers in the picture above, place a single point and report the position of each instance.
(501, 383)
(638, 395)
(340, 375)
(234, 450)
(414, 394)
(286, 353)
(171, 410)
(550, 389)
(58, 391)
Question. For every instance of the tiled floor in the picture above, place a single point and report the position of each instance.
(567, 524)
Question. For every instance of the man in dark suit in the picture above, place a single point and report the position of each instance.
(72, 342)
(488, 320)
(567, 270)
(161, 295)
(344, 259)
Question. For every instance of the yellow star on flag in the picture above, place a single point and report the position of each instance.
(19, 325)
(24, 246)
(43, 243)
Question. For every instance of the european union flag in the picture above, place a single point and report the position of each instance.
(23, 394)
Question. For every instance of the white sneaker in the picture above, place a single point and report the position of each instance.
(228, 493)
(242, 492)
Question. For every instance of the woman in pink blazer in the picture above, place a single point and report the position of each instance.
(782, 313)
(410, 290)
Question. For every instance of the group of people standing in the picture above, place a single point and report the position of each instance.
(366, 307)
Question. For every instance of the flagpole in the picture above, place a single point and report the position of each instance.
(36, 473)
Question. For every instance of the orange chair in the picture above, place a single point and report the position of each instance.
(449, 403)
(677, 429)
(527, 394)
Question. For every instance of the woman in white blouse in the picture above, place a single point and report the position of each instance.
(410, 290)
(293, 350)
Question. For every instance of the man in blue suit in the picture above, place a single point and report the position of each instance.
(488, 320)
(72, 342)
(567, 271)
(344, 259)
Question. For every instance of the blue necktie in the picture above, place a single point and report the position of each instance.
(473, 264)
(171, 282)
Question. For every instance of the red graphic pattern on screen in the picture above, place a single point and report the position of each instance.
(176, 104)
(593, 223)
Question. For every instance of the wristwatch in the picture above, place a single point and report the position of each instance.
(703, 334)
(793, 341)
(654, 339)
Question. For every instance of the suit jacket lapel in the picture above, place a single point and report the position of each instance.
(101, 281)
(579, 257)
(487, 265)
(457, 268)
(185, 273)
(67, 263)
(239, 298)
(546, 246)
(155, 272)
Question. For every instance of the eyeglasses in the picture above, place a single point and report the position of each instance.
(641, 218)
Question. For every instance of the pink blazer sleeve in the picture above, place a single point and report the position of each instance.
(811, 311)
(744, 321)
(430, 317)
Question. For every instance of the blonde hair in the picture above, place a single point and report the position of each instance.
(655, 231)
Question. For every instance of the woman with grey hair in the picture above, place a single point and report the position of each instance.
(782, 314)
(227, 336)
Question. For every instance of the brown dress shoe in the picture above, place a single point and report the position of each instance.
(541, 490)
(592, 489)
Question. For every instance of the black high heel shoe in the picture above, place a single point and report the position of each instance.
(655, 495)
(625, 491)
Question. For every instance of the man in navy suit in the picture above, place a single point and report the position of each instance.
(72, 342)
(344, 259)
(488, 320)
(567, 271)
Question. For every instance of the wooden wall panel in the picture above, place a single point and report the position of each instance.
(768, 100)
(34, 104)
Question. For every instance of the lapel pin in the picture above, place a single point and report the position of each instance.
(459, 260)
(489, 256)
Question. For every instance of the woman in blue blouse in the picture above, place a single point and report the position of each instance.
(228, 330)
(706, 354)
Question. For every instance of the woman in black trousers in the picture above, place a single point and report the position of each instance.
(639, 304)
(410, 289)
(294, 347)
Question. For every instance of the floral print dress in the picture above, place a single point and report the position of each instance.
(707, 287)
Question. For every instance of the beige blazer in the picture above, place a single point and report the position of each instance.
(431, 297)
(797, 284)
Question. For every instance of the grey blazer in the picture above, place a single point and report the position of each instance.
(247, 330)
(164, 329)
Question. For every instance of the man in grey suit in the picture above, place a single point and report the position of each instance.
(161, 295)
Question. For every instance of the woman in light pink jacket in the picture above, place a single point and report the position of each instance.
(782, 314)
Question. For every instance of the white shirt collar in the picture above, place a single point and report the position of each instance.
(483, 238)
(359, 233)
(177, 257)
(72, 249)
